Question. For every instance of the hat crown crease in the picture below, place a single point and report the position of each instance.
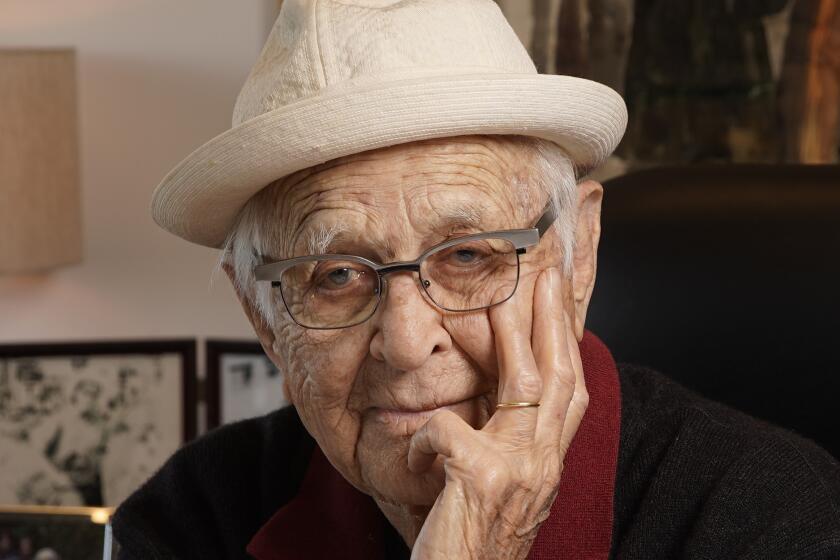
(318, 45)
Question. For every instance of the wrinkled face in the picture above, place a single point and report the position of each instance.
(354, 387)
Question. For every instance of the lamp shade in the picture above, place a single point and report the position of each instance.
(40, 214)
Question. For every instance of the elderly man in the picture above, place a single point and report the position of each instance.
(398, 208)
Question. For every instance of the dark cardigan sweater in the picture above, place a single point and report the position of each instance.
(694, 480)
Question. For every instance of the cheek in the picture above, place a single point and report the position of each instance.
(322, 366)
(323, 370)
(474, 335)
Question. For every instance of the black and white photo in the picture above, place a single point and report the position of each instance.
(84, 424)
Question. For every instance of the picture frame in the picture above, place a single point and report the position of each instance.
(242, 382)
(55, 532)
(86, 423)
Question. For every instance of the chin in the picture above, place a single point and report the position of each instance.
(382, 454)
(389, 480)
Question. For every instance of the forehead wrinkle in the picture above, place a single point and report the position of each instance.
(448, 204)
(485, 164)
(511, 164)
(456, 172)
(496, 156)
(500, 183)
(458, 178)
(310, 186)
(318, 195)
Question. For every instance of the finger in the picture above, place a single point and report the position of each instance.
(580, 398)
(519, 378)
(443, 434)
(551, 351)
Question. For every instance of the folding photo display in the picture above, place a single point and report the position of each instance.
(84, 424)
(242, 382)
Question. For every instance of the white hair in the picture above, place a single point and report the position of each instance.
(255, 231)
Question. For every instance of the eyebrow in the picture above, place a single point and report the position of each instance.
(317, 241)
(466, 214)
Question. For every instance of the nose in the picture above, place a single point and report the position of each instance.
(409, 328)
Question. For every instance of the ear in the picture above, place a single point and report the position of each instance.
(261, 328)
(587, 235)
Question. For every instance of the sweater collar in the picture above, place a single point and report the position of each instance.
(329, 518)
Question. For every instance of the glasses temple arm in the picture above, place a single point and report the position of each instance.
(548, 217)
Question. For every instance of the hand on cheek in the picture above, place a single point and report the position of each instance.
(501, 481)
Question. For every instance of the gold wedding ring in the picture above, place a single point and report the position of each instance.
(516, 404)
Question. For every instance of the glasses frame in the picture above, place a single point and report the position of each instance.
(521, 239)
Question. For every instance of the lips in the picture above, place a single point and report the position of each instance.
(413, 417)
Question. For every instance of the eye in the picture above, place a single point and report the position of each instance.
(338, 277)
(341, 276)
(465, 256)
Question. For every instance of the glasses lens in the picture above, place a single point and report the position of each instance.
(471, 275)
(329, 293)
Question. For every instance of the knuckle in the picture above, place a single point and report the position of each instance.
(551, 467)
(544, 513)
(548, 499)
(554, 471)
(581, 399)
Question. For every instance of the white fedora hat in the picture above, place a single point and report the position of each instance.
(338, 77)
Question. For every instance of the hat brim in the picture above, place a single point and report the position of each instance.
(200, 198)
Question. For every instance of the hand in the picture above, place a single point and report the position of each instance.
(502, 480)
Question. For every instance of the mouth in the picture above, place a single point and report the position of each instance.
(411, 419)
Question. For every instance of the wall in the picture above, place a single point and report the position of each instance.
(156, 79)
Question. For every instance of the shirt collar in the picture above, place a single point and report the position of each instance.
(330, 518)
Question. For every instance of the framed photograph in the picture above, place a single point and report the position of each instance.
(84, 424)
(54, 533)
(242, 382)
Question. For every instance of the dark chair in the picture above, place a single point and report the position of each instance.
(727, 279)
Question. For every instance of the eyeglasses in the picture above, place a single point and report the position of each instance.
(467, 273)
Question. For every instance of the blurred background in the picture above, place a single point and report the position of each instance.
(718, 263)
(102, 316)
(704, 81)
